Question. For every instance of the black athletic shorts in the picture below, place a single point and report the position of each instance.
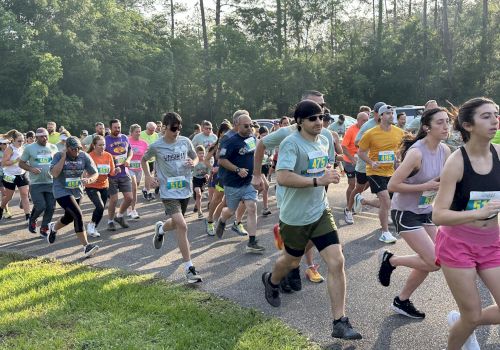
(405, 221)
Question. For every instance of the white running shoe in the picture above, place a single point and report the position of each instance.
(471, 342)
(358, 206)
(348, 217)
(91, 230)
(134, 215)
(387, 237)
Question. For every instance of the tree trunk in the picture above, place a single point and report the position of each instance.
(218, 88)
(395, 14)
(380, 23)
(174, 78)
(436, 14)
(208, 86)
(409, 9)
(483, 54)
(285, 27)
(374, 26)
(425, 49)
(448, 51)
(279, 21)
(332, 27)
(172, 23)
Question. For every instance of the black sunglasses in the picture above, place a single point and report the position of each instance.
(312, 118)
(175, 128)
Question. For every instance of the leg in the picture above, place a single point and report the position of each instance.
(334, 259)
(179, 224)
(134, 193)
(127, 200)
(39, 204)
(284, 264)
(240, 212)
(50, 206)
(491, 278)
(8, 193)
(218, 210)
(351, 184)
(197, 203)
(216, 199)
(25, 199)
(113, 199)
(309, 253)
(98, 204)
(251, 207)
(383, 211)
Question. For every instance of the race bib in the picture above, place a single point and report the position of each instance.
(9, 178)
(103, 169)
(386, 157)
(120, 159)
(72, 182)
(176, 183)
(318, 161)
(477, 199)
(135, 164)
(250, 142)
(43, 158)
(426, 199)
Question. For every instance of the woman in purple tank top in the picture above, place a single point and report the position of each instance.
(414, 184)
(466, 208)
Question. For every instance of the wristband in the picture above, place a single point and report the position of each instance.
(315, 182)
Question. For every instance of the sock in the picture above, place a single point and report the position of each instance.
(251, 239)
(210, 222)
(110, 221)
(271, 283)
(337, 321)
(119, 215)
(187, 265)
(27, 216)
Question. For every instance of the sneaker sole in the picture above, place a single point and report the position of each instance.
(194, 281)
(404, 313)
(386, 241)
(92, 252)
(238, 232)
(155, 237)
(254, 251)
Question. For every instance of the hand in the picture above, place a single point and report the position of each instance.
(257, 182)
(151, 182)
(35, 171)
(243, 172)
(331, 176)
(85, 180)
(206, 177)
(432, 185)
(126, 163)
(374, 165)
(189, 162)
(118, 170)
(489, 211)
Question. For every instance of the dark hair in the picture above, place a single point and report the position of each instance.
(409, 139)
(30, 134)
(94, 142)
(304, 109)
(400, 114)
(365, 109)
(263, 129)
(199, 148)
(171, 118)
(283, 118)
(113, 121)
(342, 117)
(466, 114)
(224, 127)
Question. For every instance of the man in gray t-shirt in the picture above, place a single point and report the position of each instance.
(36, 159)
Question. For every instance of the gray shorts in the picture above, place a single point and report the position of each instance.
(121, 184)
(234, 195)
(174, 206)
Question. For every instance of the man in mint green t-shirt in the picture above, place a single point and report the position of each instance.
(303, 170)
(36, 159)
(150, 136)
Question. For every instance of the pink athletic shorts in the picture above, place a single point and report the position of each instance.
(466, 247)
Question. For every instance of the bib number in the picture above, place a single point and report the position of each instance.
(9, 178)
(103, 169)
(176, 183)
(120, 159)
(477, 199)
(318, 160)
(426, 199)
(72, 182)
(135, 164)
(386, 157)
(250, 142)
(43, 159)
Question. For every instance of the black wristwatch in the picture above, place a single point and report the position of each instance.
(237, 170)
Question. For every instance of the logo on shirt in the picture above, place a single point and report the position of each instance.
(174, 157)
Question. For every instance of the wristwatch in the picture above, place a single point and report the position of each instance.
(237, 170)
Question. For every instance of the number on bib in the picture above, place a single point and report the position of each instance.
(386, 157)
(176, 183)
(72, 182)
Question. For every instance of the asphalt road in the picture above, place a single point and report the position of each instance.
(231, 273)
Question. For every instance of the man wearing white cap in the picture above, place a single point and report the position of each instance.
(36, 159)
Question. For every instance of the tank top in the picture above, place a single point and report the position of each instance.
(14, 169)
(475, 190)
(430, 168)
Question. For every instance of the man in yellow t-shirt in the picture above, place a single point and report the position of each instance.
(54, 136)
(378, 148)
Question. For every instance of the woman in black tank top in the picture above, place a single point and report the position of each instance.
(467, 207)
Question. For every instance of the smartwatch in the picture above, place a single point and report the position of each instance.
(237, 170)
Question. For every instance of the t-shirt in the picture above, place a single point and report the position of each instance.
(200, 170)
(239, 151)
(338, 128)
(54, 138)
(370, 124)
(303, 206)
(139, 147)
(118, 147)
(149, 139)
(61, 146)
(173, 173)
(227, 136)
(348, 141)
(205, 141)
(88, 139)
(382, 147)
(496, 139)
(105, 166)
(68, 183)
(39, 157)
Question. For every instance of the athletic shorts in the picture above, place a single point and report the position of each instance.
(11, 182)
(361, 178)
(378, 183)
(349, 170)
(121, 184)
(199, 182)
(234, 195)
(467, 247)
(406, 221)
(322, 232)
(174, 206)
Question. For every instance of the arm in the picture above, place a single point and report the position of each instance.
(348, 154)
(6, 158)
(363, 155)
(258, 157)
(148, 179)
(288, 178)
(57, 167)
(336, 138)
(25, 166)
(130, 154)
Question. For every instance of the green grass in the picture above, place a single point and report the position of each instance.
(51, 305)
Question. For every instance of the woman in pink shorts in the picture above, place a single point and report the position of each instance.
(467, 207)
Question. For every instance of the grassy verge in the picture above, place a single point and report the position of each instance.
(51, 305)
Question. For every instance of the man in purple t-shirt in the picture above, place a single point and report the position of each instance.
(117, 144)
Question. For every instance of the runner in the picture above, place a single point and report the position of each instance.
(4, 143)
(139, 147)
(99, 130)
(13, 175)
(415, 183)
(150, 136)
(53, 134)
(105, 167)
(378, 149)
(175, 157)
(206, 138)
(466, 208)
(67, 169)
(36, 159)
(236, 156)
(266, 165)
(200, 179)
(302, 172)
(118, 146)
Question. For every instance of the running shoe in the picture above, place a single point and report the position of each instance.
(313, 275)
(348, 217)
(272, 294)
(7, 214)
(134, 215)
(385, 270)
(210, 229)
(266, 212)
(239, 229)
(32, 227)
(387, 237)
(51, 237)
(343, 329)
(145, 194)
(151, 196)
(285, 286)
(158, 237)
(90, 249)
(406, 308)
(253, 247)
(122, 222)
(192, 276)
(294, 279)
(358, 206)
(278, 242)
(221, 226)
(111, 226)
(1, 213)
(91, 230)
(43, 232)
(471, 342)
(195, 210)
(200, 215)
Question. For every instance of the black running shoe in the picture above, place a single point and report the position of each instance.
(385, 271)
(1, 213)
(271, 293)
(90, 249)
(122, 222)
(406, 308)
(342, 329)
(294, 279)
(32, 227)
(285, 286)
(219, 229)
(145, 194)
(51, 237)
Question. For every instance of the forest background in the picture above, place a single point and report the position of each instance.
(81, 61)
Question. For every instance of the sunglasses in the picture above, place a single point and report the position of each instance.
(246, 126)
(313, 118)
(175, 128)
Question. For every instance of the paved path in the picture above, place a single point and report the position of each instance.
(231, 273)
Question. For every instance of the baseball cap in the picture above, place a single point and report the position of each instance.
(384, 108)
(85, 132)
(377, 106)
(73, 142)
(63, 137)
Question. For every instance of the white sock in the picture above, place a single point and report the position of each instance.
(119, 215)
(187, 265)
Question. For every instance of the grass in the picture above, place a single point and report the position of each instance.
(51, 305)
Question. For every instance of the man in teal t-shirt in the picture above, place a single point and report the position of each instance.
(36, 159)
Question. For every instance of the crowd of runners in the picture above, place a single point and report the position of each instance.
(439, 186)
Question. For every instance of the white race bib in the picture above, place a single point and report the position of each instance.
(250, 142)
(386, 157)
(426, 199)
(318, 160)
(477, 199)
(43, 159)
(9, 178)
(176, 183)
(103, 169)
(72, 182)
(135, 164)
(120, 159)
